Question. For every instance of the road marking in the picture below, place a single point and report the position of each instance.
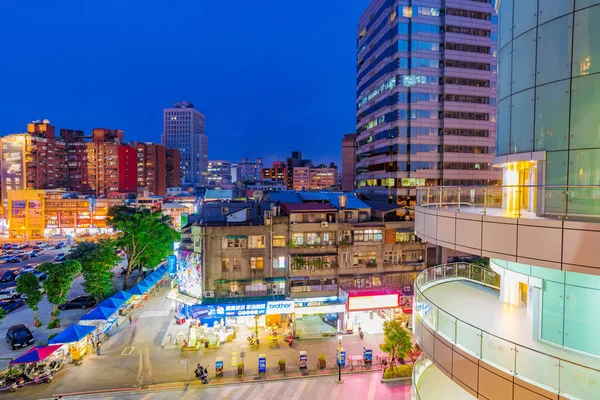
(336, 392)
(372, 386)
(298, 393)
(127, 351)
(147, 396)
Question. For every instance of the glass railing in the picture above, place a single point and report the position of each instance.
(422, 363)
(570, 380)
(562, 202)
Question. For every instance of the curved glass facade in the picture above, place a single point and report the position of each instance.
(549, 86)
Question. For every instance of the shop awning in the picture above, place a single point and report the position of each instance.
(36, 354)
(274, 279)
(182, 298)
(100, 313)
(139, 289)
(73, 333)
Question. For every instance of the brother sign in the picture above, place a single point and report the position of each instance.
(280, 307)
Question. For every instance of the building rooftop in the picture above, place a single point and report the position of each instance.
(308, 207)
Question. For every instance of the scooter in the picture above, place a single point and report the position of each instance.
(202, 374)
(290, 340)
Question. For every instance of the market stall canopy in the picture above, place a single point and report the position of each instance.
(140, 288)
(112, 302)
(122, 295)
(72, 334)
(36, 354)
(151, 279)
(101, 313)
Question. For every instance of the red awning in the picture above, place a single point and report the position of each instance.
(36, 354)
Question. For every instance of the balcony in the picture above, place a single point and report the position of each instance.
(549, 226)
(487, 346)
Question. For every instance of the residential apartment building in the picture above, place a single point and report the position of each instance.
(349, 162)
(314, 178)
(426, 77)
(184, 130)
(219, 173)
(152, 166)
(299, 247)
(43, 213)
(277, 172)
(172, 169)
(540, 230)
(292, 162)
(249, 171)
(75, 158)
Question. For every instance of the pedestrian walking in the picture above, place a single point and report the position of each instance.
(98, 346)
(130, 321)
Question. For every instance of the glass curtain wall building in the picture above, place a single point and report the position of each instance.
(533, 331)
(426, 96)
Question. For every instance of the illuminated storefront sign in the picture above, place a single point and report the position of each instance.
(240, 310)
(280, 307)
(374, 302)
(336, 308)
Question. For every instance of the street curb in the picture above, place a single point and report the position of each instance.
(195, 384)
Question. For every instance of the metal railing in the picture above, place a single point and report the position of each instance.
(518, 201)
(422, 363)
(569, 379)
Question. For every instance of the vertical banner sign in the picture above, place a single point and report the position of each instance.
(262, 364)
(172, 264)
(219, 367)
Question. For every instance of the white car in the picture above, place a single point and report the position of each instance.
(9, 293)
(20, 246)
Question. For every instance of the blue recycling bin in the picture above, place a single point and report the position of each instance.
(262, 364)
(367, 356)
(341, 361)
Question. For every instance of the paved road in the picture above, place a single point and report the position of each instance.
(365, 386)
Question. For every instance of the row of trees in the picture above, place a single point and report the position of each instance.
(145, 237)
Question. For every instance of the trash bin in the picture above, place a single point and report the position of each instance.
(303, 360)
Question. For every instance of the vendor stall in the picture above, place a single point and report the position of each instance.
(140, 289)
(77, 338)
(121, 295)
(101, 317)
(38, 365)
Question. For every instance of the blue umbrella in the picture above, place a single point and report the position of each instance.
(73, 333)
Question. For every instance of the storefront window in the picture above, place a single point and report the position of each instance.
(256, 262)
(278, 241)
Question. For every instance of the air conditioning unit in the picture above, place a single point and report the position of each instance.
(209, 293)
(324, 224)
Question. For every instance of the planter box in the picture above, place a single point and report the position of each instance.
(240, 371)
(390, 380)
(281, 367)
(322, 364)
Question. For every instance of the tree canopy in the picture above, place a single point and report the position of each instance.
(396, 341)
(59, 281)
(147, 238)
(97, 261)
(29, 285)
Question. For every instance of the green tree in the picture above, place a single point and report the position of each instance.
(396, 341)
(97, 261)
(2, 314)
(29, 285)
(58, 283)
(145, 237)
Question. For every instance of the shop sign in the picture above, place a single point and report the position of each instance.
(241, 310)
(262, 364)
(374, 302)
(280, 307)
(336, 308)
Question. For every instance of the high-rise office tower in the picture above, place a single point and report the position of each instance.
(426, 77)
(540, 229)
(184, 130)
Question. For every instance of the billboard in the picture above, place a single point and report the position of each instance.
(12, 166)
(189, 273)
(374, 302)
(18, 208)
(35, 208)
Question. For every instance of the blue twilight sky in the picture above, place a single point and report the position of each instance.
(270, 76)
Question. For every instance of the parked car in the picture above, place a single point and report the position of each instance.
(21, 246)
(41, 245)
(15, 259)
(60, 245)
(6, 246)
(19, 336)
(60, 257)
(5, 259)
(11, 305)
(9, 293)
(79, 302)
(24, 256)
(10, 275)
(38, 252)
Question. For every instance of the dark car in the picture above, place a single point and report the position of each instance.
(60, 245)
(79, 302)
(10, 275)
(11, 305)
(60, 257)
(19, 336)
(24, 256)
(6, 246)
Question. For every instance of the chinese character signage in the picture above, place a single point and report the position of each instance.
(241, 310)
